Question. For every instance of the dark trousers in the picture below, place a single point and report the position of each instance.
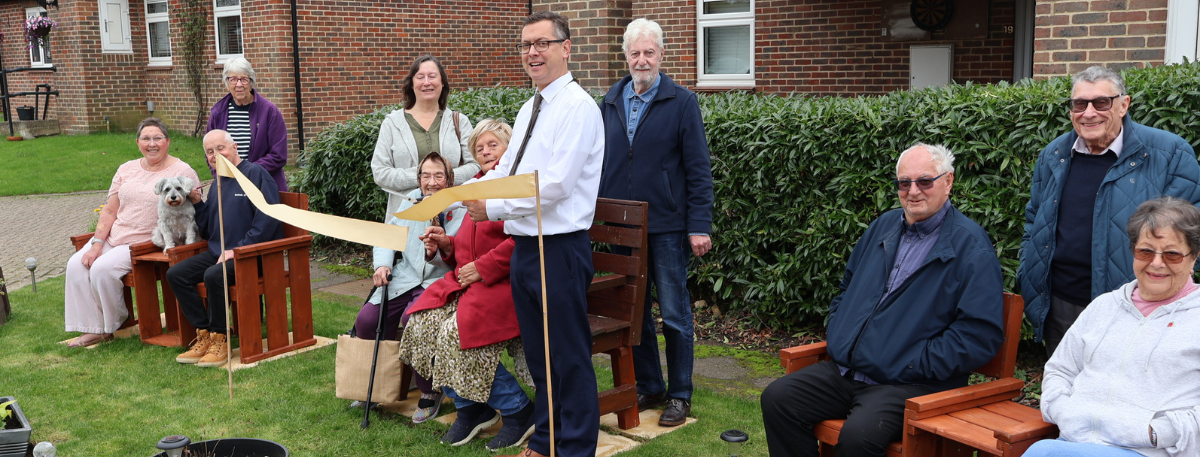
(874, 414)
(1062, 314)
(183, 278)
(568, 274)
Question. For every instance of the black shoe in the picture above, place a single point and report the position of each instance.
(516, 429)
(649, 401)
(676, 413)
(465, 428)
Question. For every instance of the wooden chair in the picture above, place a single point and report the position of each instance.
(270, 289)
(616, 300)
(924, 422)
(80, 241)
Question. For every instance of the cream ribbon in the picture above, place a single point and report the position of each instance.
(365, 232)
(519, 186)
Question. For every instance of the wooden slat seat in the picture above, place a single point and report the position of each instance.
(944, 422)
(284, 266)
(615, 300)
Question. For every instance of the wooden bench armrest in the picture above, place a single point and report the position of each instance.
(143, 248)
(81, 239)
(795, 358)
(1027, 430)
(607, 281)
(180, 253)
(280, 245)
(952, 400)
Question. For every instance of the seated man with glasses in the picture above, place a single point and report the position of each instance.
(920, 308)
(1086, 184)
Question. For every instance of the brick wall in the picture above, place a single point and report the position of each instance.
(1072, 35)
(596, 30)
(819, 47)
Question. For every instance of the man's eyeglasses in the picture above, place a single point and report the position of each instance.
(152, 139)
(923, 183)
(541, 46)
(234, 80)
(1079, 105)
(1147, 255)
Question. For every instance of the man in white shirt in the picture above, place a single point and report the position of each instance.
(566, 147)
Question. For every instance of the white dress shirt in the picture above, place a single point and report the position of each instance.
(567, 150)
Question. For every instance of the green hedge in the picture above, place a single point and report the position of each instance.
(798, 179)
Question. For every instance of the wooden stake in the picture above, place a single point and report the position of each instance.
(225, 281)
(537, 195)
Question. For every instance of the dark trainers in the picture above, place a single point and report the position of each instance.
(516, 429)
(675, 413)
(464, 428)
(649, 401)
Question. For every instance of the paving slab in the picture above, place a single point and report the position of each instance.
(40, 226)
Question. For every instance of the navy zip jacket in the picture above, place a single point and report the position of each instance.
(940, 324)
(670, 169)
(244, 224)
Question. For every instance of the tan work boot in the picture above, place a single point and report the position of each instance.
(199, 348)
(217, 351)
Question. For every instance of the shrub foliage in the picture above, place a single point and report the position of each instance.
(798, 179)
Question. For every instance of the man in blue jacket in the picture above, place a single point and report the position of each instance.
(244, 225)
(1102, 169)
(655, 151)
(920, 308)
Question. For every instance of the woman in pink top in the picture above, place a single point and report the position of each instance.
(94, 301)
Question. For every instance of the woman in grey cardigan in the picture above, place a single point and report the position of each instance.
(406, 136)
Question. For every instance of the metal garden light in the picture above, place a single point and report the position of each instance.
(735, 439)
(174, 445)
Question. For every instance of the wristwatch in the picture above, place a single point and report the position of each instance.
(95, 240)
(1153, 437)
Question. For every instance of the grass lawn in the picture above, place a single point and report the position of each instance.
(122, 397)
(72, 163)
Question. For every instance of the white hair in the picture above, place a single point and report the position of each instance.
(943, 159)
(1096, 74)
(238, 65)
(641, 27)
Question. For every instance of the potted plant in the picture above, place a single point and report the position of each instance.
(37, 28)
(14, 429)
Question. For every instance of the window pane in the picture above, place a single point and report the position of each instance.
(160, 39)
(727, 50)
(156, 7)
(230, 30)
(726, 6)
(228, 3)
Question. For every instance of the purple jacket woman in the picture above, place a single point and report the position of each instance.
(268, 134)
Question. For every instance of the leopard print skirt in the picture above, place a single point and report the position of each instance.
(430, 345)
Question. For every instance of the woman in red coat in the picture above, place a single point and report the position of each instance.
(464, 321)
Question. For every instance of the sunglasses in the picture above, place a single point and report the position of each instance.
(1079, 105)
(923, 183)
(1147, 255)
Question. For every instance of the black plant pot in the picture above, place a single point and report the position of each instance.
(15, 442)
(26, 113)
(236, 447)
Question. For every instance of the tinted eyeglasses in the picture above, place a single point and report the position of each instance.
(1079, 105)
(923, 183)
(1147, 255)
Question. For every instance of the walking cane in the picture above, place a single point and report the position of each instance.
(383, 304)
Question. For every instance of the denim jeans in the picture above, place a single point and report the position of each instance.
(1060, 448)
(506, 397)
(668, 270)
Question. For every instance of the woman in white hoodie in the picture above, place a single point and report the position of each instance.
(1126, 379)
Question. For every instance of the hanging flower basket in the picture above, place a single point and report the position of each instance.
(37, 29)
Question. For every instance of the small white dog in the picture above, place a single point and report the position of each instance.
(176, 216)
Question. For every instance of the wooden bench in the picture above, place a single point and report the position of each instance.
(269, 289)
(616, 299)
(928, 430)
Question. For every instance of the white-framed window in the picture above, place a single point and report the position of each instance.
(158, 32)
(228, 27)
(114, 27)
(39, 55)
(1183, 31)
(725, 43)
